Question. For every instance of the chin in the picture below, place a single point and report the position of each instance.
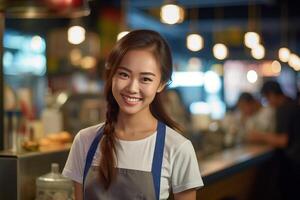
(128, 112)
(131, 111)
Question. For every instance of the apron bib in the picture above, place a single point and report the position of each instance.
(129, 184)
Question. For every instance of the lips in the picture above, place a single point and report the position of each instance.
(130, 100)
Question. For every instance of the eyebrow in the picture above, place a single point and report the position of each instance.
(143, 73)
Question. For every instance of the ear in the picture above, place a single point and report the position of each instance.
(161, 87)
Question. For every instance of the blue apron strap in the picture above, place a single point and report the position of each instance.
(158, 157)
(91, 153)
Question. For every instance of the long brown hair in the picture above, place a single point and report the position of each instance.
(138, 39)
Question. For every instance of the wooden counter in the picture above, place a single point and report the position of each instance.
(232, 173)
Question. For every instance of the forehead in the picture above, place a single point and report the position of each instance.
(141, 60)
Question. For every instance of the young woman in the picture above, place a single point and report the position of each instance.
(136, 153)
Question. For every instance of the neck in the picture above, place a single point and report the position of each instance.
(137, 124)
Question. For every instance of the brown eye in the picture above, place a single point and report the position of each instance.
(123, 75)
(146, 80)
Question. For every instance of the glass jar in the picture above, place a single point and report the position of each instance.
(54, 186)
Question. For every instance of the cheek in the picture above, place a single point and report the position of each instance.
(115, 87)
(117, 84)
(150, 90)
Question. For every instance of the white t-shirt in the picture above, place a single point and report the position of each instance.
(180, 169)
(262, 121)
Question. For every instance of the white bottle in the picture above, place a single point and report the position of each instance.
(51, 117)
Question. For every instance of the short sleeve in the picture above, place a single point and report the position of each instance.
(185, 169)
(75, 163)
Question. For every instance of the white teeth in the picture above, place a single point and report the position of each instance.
(131, 99)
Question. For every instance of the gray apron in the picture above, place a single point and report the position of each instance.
(129, 184)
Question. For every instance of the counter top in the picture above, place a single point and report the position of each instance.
(232, 160)
(48, 150)
(212, 167)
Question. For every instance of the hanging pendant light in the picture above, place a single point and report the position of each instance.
(284, 54)
(252, 76)
(294, 61)
(76, 34)
(251, 39)
(194, 42)
(258, 52)
(171, 14)
(220, 51)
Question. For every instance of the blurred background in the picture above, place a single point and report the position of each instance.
(53, 55)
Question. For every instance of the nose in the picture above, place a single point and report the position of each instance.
(133, 86)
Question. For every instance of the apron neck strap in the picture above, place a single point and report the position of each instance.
(158, 156)
(91, 153)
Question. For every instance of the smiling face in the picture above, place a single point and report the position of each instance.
(136, 82)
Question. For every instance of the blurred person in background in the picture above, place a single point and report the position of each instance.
(254, 116)
(285, 138)
(248, 116)
(175, 107)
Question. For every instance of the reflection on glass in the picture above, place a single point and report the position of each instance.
(24, 54)
(187, 79)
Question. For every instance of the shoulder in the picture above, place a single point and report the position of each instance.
(74, 166)
(85, 136)
(175, 142)
(174, 137)
(89, 132)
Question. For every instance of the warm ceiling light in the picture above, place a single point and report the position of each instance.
(76, 34)
(88, 62)
(276, 67)
(297, 65)
(294, 61)
(171, 14)
(252, 76)
(284, 54)
(122, 34)
(194, 42)
(220, 51)
(75, 56)
(258, 52)
(251, 39)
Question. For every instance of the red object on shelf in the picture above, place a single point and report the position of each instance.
(77, 3)
(58, 5)
(27, 111)
(45, 8)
